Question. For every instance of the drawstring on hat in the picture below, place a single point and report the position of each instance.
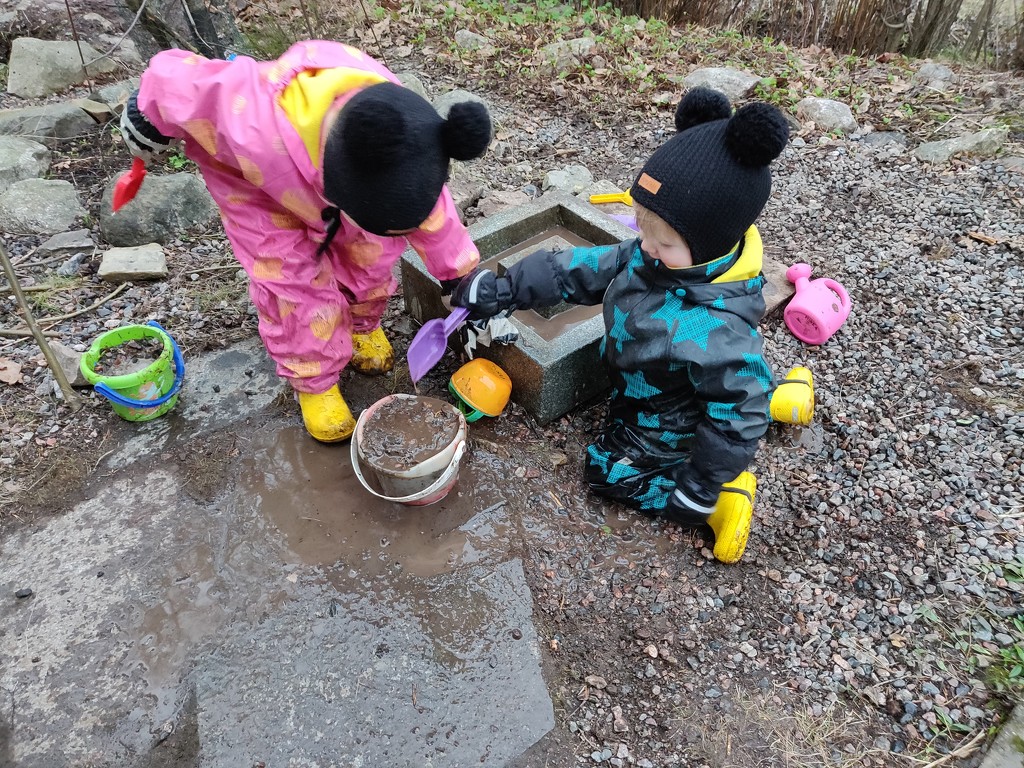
(332, 217)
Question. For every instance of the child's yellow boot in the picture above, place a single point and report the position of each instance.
(731, 519)
(793, 399)
(371, 352)
(327, 416)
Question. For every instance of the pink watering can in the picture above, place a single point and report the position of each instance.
(818, 308)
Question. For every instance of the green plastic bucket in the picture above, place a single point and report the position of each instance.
(144, 394)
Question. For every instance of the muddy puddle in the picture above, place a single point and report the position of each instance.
(310, 493)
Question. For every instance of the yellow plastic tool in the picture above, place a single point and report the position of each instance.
(613, 197)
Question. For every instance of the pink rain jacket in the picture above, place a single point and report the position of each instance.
(254, 130)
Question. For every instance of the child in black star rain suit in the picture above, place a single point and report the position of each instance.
(691, 390)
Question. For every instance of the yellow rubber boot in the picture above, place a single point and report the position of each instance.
(327, 416)
(371, 352)
(731, 519)
(793, 400)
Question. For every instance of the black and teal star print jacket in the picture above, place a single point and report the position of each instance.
(681, 347)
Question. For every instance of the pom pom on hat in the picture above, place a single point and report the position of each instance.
(386, 156)
(701, 105)
(711, 180)
(467, 131)
(757, 134)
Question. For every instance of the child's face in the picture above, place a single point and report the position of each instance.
(663, 243)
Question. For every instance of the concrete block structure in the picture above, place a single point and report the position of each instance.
(555, 365)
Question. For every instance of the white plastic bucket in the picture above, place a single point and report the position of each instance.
(427, 482)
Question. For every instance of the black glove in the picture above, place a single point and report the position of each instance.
(140, 136)
(691, 502)
(483, 293)
(447, 286)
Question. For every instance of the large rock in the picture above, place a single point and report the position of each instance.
(984, 143)
(572, 179)
(560, 55)
(445, 101)
(115, 95)
(21, 158)
(829, 115)
(39, 207)
(47, 123)
(42, 67)
(164, 207)
(935, 76)
(732, 82)
(414, 84)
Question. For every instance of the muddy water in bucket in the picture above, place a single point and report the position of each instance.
(407, 448)
(405, 432)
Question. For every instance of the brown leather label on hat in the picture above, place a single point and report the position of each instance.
(652, 185)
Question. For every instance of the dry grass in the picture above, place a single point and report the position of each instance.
(751, 732)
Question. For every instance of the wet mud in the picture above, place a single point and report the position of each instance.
(406, 431)
(310, 493)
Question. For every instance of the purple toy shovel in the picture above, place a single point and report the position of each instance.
(428, 345)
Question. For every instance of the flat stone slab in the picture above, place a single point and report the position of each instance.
(1007, 750)
(142, 262)
(46, 124)
(348, 633)
(68, 244)
(445, 675)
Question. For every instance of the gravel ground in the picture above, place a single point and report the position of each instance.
(866, 623)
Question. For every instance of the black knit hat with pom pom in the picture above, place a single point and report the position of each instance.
(386, 157)
(710, 181)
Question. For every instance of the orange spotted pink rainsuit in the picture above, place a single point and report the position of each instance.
(255, 131)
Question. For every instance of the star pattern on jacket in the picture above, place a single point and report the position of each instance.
(657, 493)
(670, 311)
(599, 458)
(637, 386)
(590, 257)
(635, 261)
(757, 369)
(721, 411)
(618, 331)
(620, 471)
(648, 419)
(673, 439)
(696, 325)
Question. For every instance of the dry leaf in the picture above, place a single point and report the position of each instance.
(10, 371)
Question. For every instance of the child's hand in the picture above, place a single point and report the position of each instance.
(140, 136)
(483, 293)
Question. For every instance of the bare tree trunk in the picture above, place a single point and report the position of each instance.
(976, 40)
(931, 26)
(1017, 60)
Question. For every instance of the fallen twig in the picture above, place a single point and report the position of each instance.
(24, 333)
(962, 751)
(50, 321)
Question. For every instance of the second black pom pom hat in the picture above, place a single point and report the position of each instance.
(386, 156)
(711, 181)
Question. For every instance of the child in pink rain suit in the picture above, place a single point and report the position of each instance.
(323, 167)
